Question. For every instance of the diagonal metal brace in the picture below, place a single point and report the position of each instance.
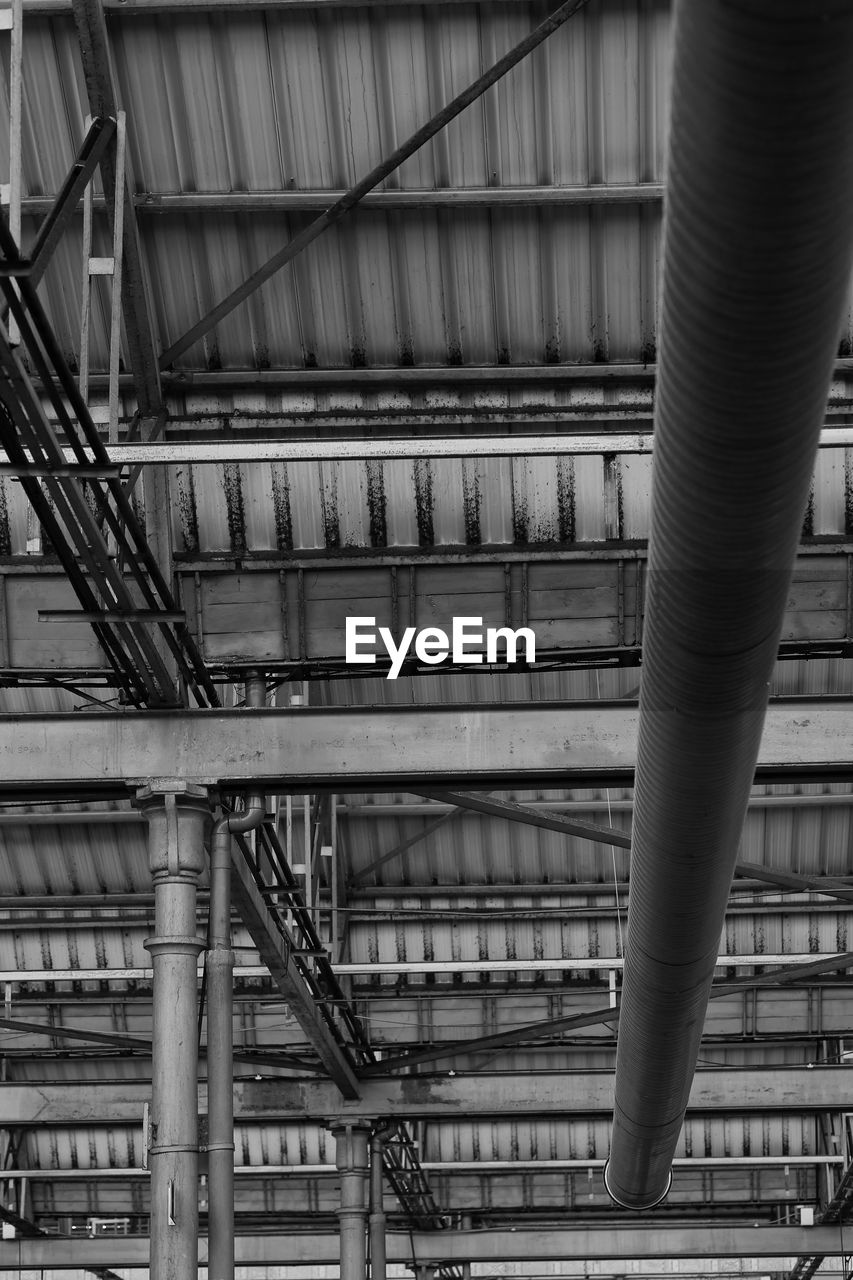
(101, 131)
(352, 197)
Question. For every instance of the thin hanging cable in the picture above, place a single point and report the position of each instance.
(612, 848)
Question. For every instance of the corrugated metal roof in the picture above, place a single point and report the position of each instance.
(268, 101)
(285, 508)
(473, 937)
(807, 839)
(59, 942)
(814, 678)
(289, 101)
(771, 1134)
(101, 1147)
(589, 1139)
(74, 858)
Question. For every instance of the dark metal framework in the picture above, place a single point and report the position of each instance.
(281, 890)
(85, 511)
(75, 519)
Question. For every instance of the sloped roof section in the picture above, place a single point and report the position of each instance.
(242, 125)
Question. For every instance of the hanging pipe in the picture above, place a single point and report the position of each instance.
(756, 266)
(220, 1013)
(466, 1226)
(177, 821)
(376, 1221)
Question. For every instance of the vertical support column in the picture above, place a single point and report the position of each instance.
(112, 266)
(115, 300)
(220, 1025)
(220, 1063)
(466, 1266)
(377, 1211)
(351, 1158)
(176, 826)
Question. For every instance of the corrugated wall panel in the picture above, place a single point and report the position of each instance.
(560, 500)
(771, 1134)
(93, 1148)
(90, 945)
(548, 938)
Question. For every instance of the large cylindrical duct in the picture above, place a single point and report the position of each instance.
(756, 265)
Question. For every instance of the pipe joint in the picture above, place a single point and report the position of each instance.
(635, 1202)
(177, 945)
(351, 1215)
(182, 875)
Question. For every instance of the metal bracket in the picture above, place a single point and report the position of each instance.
(147, 1136)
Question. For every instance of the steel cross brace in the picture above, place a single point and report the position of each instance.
(351, 198)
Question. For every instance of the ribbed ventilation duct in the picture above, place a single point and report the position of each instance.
(757, 255)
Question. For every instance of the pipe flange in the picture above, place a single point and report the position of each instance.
(178, 944)
(624, 1204)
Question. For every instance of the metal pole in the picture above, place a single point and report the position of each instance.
(220, 1060)
(176, 825)
(220, 1019)
(377, 1211)
(351, 1158)
(466, 1266)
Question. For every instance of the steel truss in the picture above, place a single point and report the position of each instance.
(283, 895)
(81, 506)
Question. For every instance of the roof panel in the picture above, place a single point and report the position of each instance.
(248, 101)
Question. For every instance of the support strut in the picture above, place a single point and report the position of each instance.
(176, 825)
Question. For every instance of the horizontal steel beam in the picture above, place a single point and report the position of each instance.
(402, 810)
(201, 6)
(431, 1248)
(384, 749)
(584, 605)
(820, 961)
(440, 1097)
(688, 1164)
(315, 201)
(554, 964)
(174, 452)
(492, 376)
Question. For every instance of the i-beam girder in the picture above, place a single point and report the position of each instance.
(438, 1097)
(383, 749)
(544, 436)
(431, 1248)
